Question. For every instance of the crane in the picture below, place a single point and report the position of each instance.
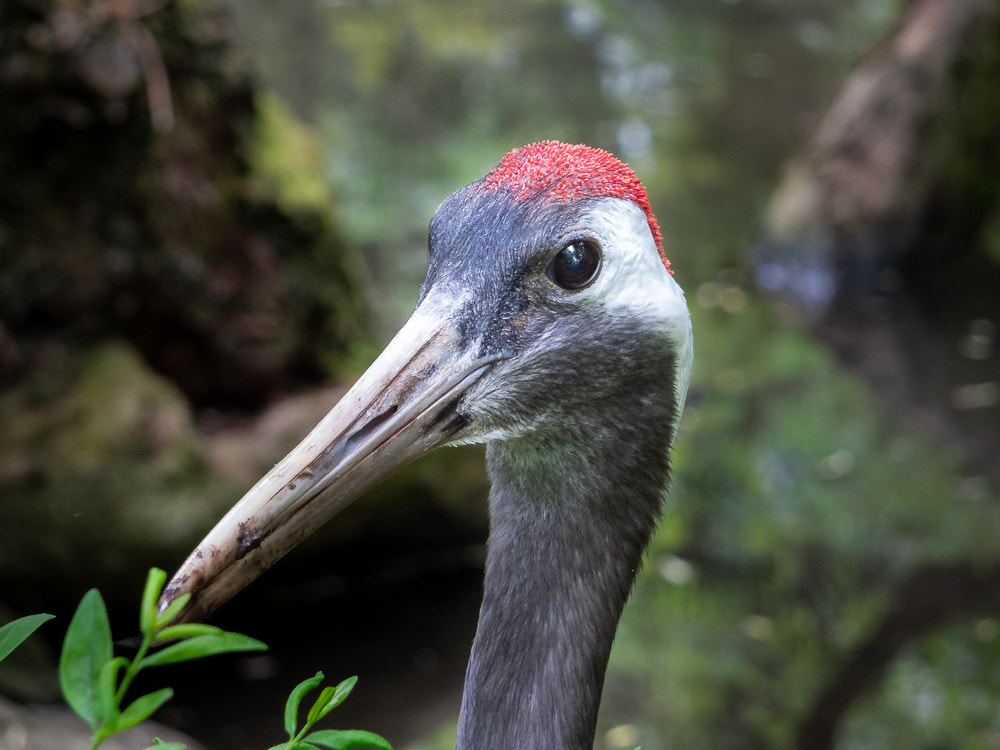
(550, 328)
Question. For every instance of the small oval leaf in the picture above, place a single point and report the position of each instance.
(142, 708)
(173, 609)
(330, 698)
(147, 612)
(107, 686)
(201, 646)
(319, 707)
(86, 648)
(188, 630)
(15, 632)
(295, 697)
(344, 739)
(341, 692)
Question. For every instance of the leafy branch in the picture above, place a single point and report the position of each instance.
(94, 681)
(329, 698)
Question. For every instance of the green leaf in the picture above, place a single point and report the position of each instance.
(86, 648)
(188, 630)
(316, 712)
(142, 708)
(341, 692)
(14, 633)
(295, 697)
(172, 610)
(201, 646)
(330, 698)
(107, 686)
(342, 739)
(150, 595)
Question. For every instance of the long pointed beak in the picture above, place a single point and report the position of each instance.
(401, 408)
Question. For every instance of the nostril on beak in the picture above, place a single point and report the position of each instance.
(370, 426)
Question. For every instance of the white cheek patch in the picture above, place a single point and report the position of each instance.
(634, 282)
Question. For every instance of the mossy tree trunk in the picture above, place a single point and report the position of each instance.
(132, 206)
(169, 259)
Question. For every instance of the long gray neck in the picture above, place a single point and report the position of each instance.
(568, 531)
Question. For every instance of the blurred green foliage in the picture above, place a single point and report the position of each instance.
(799, 505)
(413, 100)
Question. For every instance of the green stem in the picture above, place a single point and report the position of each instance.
(133, 668)
(298, 738)
(131, 671)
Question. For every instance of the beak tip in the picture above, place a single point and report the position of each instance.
(211, 575)
(405, 405)
(171, 593)
(183, 583)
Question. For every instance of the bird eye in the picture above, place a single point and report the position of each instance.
(575, 266)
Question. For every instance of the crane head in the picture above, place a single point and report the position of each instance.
(547, 292)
